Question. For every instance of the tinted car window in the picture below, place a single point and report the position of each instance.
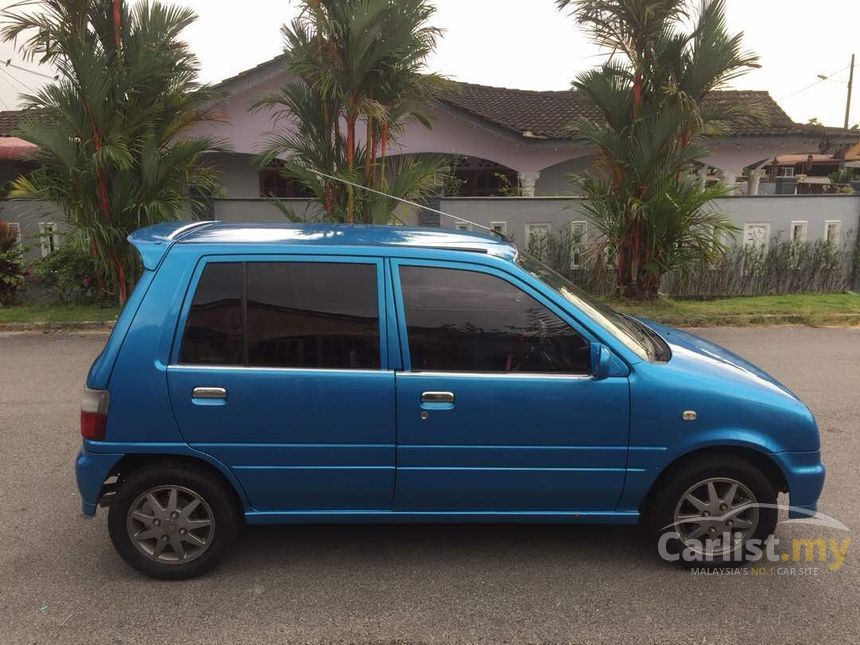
(213, 331)
(284, 314)
(309, 314)
(469, 321)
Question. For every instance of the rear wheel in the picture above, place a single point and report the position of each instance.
(173, 522)
(715, 511)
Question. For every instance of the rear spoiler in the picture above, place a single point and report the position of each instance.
(153, 242)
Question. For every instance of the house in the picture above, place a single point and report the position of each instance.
(497, 138)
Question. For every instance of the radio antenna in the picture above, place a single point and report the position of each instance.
(409, 202)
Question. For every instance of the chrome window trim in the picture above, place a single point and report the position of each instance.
(248, 368)
(529, 375)
(346, 370)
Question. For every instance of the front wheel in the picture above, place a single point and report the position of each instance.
(716, 511)
(173, 522)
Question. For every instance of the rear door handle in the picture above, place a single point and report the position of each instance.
(209, 393)
(437, 397)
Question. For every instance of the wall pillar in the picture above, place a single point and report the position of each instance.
(729, 177)
(753, 181)
(527, 182)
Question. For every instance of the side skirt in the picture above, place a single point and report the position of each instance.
(432, 517)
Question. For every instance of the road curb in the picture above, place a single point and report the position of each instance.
(58, 326)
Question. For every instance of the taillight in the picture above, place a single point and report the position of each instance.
(94, 408)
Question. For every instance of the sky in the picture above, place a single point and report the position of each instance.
(528, 44)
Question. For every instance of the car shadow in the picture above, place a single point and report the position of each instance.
(437, 545)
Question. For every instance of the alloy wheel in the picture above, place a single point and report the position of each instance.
(716, 516)
(171, 524)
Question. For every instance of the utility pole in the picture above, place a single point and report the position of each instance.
(850, 85)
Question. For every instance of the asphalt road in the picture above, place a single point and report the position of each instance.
(61, 581)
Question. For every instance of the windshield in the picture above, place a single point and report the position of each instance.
(625, 329)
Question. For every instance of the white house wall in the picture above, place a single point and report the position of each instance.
(239, 174)
(778, 211)
(557, 180)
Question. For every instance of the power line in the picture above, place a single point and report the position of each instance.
(9, 63)
(20, 84)
(810, 86)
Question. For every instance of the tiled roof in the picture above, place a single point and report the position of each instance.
(548, 115)
(544, 114)
(9, 121)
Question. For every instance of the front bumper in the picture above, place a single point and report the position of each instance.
(804, 474)
(91, 470)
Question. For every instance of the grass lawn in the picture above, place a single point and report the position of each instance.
(826, 309)
(57, 314)
(822, 309)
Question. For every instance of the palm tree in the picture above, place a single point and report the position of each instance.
(355, 63)
(666, 57)
(113, 153)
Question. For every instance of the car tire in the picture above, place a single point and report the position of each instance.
(173, 522)
(685, 512)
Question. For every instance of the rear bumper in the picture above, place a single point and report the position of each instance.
(804, 474)
(91, 470)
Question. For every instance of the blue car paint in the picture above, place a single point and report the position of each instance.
(573, 449)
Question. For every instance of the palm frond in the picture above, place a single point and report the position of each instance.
(114, 151)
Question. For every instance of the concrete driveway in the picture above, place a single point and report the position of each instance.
(61, 581)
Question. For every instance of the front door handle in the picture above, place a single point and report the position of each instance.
(209, 393)
(437, 397)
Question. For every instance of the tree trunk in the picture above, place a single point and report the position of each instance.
(122, 287)
(117, 23)
(383, 140)
(350, 163)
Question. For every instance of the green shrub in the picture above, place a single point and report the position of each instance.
(69, 275)
(11, 265)
(780, 268)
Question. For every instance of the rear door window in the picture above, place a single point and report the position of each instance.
(313, 315)
(214, 333)
(469, 321)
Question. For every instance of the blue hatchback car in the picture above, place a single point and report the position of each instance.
(271, 374)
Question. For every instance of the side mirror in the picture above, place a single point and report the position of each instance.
(600, 361)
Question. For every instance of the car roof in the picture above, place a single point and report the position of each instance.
(153, 241)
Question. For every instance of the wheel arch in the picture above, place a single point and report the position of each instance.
(761, 460)
(132, 462)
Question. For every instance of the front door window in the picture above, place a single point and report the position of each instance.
(467, 321)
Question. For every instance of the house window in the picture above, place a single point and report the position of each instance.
(785, 171)
(757, 234)
(462, 226)
(578, 232)
(536, 233)
(273, 183)
(798, 232)
(499, 227)
(609, 257)
(16, 227)
(50, 237)
(832, 230)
